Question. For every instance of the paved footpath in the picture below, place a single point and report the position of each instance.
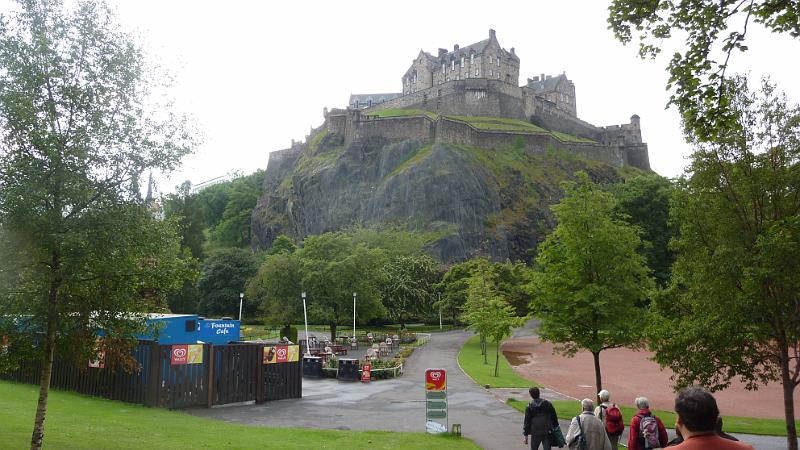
(399, 404)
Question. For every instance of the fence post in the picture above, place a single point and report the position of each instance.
(210, 376)
(260, 374)
(153, 375)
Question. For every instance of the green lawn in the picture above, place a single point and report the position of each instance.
(732, 424)
(471, 361)
(403, 113)
(77, 422)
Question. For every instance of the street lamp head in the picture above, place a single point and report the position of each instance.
(303, 295)
(354, 294)
(241, 294)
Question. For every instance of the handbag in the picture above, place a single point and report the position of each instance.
(558, 437)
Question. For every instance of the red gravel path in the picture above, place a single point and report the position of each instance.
(628, 374)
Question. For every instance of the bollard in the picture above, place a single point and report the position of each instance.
(456, 431)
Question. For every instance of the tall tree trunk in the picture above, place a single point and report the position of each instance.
(37, 437)
(788, 399)
(497, 358)
(483, 350)
(402, 322)
(333, 331)
(598, 379)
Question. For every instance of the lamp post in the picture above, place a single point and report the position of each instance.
(305, 318)
(440, 311)
(241, 299)
(354, 315)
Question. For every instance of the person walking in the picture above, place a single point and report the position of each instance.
(647, 430)
(586, 431)
(697, 422)
(611, 416)
(540, 419)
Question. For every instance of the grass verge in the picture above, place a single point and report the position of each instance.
(403, 113)
(77, 422)
(567, 409)
(471, 362)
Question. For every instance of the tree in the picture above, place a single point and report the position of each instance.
(590, 282)
(78, 130)
(407, 286)
(282, 244)
(183, 208)
(733, 308)
(334, 268)
(233, 229)
(645, 201)
(713, 31)
(223, 276)
(277, 287)
(487, 311)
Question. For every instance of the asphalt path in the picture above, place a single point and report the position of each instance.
(399, 404)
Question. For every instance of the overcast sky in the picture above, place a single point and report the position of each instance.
(256, 75)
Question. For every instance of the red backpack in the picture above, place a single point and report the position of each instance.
(613, 420)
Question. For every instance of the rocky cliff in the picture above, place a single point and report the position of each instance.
(478, 201)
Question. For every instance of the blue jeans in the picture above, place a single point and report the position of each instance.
(543, 439)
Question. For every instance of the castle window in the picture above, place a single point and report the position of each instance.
(498, 61)
(490, 73)
(442, 67)
(490, 60)
(457, 78)
(452, 64)
(462, 61)
(472, 58)
(477, 72)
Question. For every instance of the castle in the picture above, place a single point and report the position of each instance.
(482, 80)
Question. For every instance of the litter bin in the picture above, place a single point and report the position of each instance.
(348, 370)
(312, 366)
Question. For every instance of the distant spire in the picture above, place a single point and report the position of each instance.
(149, 197)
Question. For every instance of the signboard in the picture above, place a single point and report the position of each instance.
(187, 354)
(436, 411)
(281, 354)
(218, 332)
(366, 373)
(435, 380)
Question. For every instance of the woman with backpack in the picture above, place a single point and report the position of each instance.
(646, 430)
(611, 416)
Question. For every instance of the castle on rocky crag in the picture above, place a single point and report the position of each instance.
(482, 80)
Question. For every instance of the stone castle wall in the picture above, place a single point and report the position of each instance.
(472, 97)
(444, 129)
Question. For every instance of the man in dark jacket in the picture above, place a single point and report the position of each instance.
(540, 419)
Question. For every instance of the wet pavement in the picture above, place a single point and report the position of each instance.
(399, 404)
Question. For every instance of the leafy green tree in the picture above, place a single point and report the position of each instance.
(282, 244)
(733, 308)
(184, 208)
(223, 276)
(712, 31)
(77, 132)
(645, 201)
(454, 287)
(277, 287)
(590, 280)
(408, 286)
(487, 311)
(233, 229)
(334, 267)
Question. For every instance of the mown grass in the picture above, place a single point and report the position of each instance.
(412, 160)
(566, 410)
(471, 362)
(564, 137)
(403, 113)
(78, 422)
(499, 124)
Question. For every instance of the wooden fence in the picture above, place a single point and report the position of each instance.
(225, 374)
